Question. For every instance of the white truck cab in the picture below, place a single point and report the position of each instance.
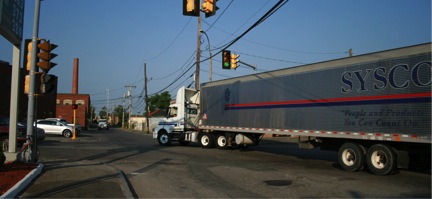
(173, 128)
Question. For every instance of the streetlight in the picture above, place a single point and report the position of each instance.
(211, 62)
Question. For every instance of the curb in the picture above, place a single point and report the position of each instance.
(23, 183)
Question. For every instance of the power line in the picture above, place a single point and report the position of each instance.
(172, 42)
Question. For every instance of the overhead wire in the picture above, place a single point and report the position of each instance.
(172, 42)
(276, 7)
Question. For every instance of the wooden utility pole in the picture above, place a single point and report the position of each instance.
(146, 99)
(198, 53)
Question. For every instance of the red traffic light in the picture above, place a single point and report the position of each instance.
(74, 106)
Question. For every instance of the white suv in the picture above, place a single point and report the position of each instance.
(103, 124)
(55, 127)
(78, 127)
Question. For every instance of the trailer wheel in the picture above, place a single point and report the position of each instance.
(164, 138)
(221, 142)
(207, 140)
(352, 156)
(381, 159)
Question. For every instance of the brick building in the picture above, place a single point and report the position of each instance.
(64, 107)
(45, 104)
(48, 105)
(64, 102)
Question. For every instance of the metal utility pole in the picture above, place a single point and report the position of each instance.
(198, 53)
(31, 94)
(146, 99)
(130, 103)
(107, 115)
(124, 96)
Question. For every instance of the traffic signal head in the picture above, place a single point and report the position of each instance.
(191, 7)
(74, 106)
(209, 7)
(28, 47)
(226, 59)
(27, 84)
(37, 83)
(48, 83)
(46, 56)
(234, 61)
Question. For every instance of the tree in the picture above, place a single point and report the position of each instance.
(103, 113)
(119, 112)
(159, 102)
(91, 113)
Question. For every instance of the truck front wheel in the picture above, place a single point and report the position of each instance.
(351, 156)
(164, 138)
(381, 159)
(207, 140)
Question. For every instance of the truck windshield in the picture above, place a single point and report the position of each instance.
(172, 112)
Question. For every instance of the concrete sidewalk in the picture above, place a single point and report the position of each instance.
(82, 179)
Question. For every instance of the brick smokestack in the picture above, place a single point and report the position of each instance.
(75, 77)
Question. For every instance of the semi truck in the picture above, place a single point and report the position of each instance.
(373, 109)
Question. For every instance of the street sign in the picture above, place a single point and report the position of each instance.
(12, 20)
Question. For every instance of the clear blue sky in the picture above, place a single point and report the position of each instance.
(114, 38)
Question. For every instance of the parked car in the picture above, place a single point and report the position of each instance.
(21, 135)
(103, 124)
(77, 126)
(21, 132)
(55, 127)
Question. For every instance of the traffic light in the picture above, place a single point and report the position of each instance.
(28, 46)
(191, 7)
(234, 61)
(47, 83)
(74, 106)
(209, 7)
(37, 84)
(226, 59)
(27, 84)
(46, 56)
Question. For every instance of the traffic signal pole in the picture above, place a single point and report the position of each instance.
(31, 94)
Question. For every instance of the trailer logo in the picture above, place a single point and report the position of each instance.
(398, 77)
(227, 95)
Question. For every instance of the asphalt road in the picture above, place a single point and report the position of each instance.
(275, 169)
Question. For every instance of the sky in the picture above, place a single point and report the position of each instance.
(114, 39)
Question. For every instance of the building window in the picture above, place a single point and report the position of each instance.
(80, 102)
(67, 102)
(57, 101)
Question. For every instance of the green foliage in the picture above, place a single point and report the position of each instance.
(103, 113)
(119, 112)
(91, 113)
(159, 101)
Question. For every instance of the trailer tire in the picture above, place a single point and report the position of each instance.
(221, 142)
(352, 156)
(207, 140)
(164, 138)
(381, 159)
